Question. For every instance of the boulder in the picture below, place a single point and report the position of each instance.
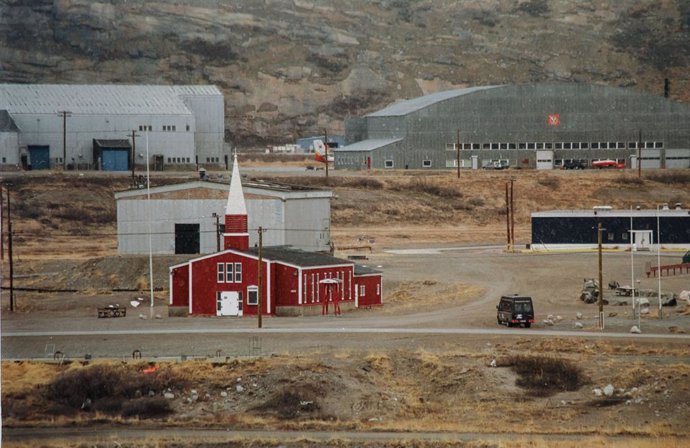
(578, 316)
(609, 390)
(548, 322)
(579, 325)
(634, 329)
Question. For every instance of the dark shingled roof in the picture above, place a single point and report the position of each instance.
(298, 257)
(117, 143)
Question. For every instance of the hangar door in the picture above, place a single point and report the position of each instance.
(115, 160)
(187, 238)
(40, 157)
(112, 155)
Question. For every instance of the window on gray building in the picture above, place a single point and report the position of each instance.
(475, 145)
(566, 145)
(595, 145)
(426, 163)
(584, 145)
(388, 163)
(530, 145)
(522, 145)
(511, 145)
(540, 145)
(559, 145)
(548, 145)
(504, 145)
(658, 144)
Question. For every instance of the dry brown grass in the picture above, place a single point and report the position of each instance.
(409, 294)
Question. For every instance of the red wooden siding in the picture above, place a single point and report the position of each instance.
(372, 290)
(315, 292)
(180, 286)
(206, 285)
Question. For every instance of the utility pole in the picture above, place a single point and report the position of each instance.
(510, 216)
(325, 138)
(261, 231)
(458, 151)
(600, 300)
(9, 249)
(217, 216)
(134, 152)
(507, 219)
(64, 114)
(639, 154)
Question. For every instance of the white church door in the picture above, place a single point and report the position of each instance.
(229, 303)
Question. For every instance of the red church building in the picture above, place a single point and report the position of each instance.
(293, 282)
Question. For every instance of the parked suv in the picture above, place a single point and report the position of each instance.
(515, 310)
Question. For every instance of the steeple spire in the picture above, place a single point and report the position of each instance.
(235, 205)
(236, 235)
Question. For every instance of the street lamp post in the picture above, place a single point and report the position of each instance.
(658, 255)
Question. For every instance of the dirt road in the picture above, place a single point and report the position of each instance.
(429, 309)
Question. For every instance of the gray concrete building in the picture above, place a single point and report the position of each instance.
(90, 126)
(542, 125)
(183, 217)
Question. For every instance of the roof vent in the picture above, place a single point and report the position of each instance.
(637, 207)
(664, 206)
(678, 206)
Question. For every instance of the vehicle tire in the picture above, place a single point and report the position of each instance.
(510, 325)
(527, 325)
(499, 321)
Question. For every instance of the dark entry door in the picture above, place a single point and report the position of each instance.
(40, 157)
(187, 239)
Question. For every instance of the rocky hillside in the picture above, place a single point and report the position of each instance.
(291, 68)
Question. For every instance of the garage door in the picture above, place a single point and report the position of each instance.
(40, 157)
(115, 160)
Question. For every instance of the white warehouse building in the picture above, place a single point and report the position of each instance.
(90, 126)
(183, 217)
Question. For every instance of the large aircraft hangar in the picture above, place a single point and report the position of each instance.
(540, 125)
(108, 127)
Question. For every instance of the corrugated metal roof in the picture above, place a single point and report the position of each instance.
(7, 124)
(407, 106)
(99, 99)
(610, 213)
(368, 145)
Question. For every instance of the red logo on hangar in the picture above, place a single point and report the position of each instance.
(553, 119)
